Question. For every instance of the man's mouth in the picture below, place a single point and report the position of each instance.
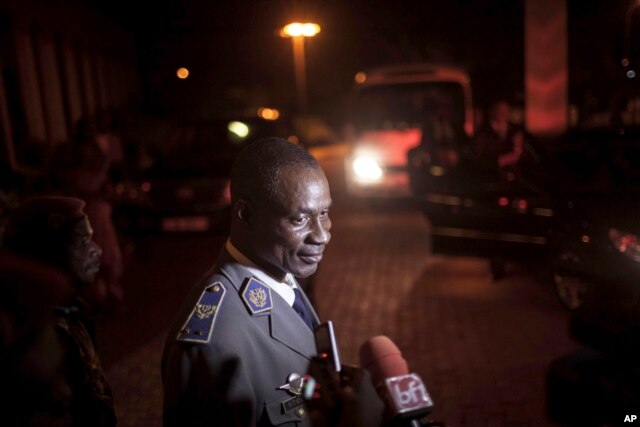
(93, 268)
(311, 258)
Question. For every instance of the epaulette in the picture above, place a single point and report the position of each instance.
(199, 325)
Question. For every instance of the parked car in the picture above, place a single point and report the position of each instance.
(596, 265)
(595, 250)
(475, 208)
(576, 214)
(187, 187)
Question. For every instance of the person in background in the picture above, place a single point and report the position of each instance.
(502, 142)
(56, 232)
(33, 391)
(110, 142)
(504, 146)
(83, 170)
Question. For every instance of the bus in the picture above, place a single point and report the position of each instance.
(388, 109)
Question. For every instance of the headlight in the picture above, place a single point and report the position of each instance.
(367, 168)
(625, 243)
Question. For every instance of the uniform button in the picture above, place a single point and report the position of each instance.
(300, 412)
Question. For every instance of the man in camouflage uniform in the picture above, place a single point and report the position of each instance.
(55, 232)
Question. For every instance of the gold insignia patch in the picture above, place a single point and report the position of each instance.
(258, 297)
(204, 311)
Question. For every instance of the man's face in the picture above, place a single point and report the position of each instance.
(501, 112)
(84, 253)
(290, 235)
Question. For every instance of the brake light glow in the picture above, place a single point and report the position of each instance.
(625, 243)
(522, 205)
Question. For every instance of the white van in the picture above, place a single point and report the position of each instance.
(387, 112)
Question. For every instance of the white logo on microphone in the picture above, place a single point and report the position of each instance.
(408, 393)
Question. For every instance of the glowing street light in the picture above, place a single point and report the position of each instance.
(182, 73)
(298, 31)
(268, 113)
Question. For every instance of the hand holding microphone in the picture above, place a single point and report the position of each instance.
(339, 395)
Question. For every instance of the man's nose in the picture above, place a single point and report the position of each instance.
(320, 234)
(95, 251)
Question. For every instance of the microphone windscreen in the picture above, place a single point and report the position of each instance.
(382, 358)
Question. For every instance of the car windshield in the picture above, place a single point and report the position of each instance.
(406, 105)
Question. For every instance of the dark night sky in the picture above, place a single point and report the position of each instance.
(233, 50)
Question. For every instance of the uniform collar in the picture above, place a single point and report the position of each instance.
(285, 325)
(284, 288)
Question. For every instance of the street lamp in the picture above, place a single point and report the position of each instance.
(298, 31)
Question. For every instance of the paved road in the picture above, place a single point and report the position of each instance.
(482, 348)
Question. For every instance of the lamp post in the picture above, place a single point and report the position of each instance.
(297, 32)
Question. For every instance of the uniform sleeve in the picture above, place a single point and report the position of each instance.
(205, 385)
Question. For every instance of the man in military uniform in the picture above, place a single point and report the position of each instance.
(244, 338)
(245, 335)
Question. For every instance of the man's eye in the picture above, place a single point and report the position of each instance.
(324, 214)
(300, 220)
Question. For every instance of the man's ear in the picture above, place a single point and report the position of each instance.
(243, 211)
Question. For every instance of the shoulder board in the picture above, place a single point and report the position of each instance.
(199, 325)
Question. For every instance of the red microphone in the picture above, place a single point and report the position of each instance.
(406, 396)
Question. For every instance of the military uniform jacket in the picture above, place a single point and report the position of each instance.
(92, 398)
(250, 324)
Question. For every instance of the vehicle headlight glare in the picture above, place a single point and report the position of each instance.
(367, 169)
(625, 243)
(238, 129)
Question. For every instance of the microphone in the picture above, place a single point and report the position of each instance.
(406, 397)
